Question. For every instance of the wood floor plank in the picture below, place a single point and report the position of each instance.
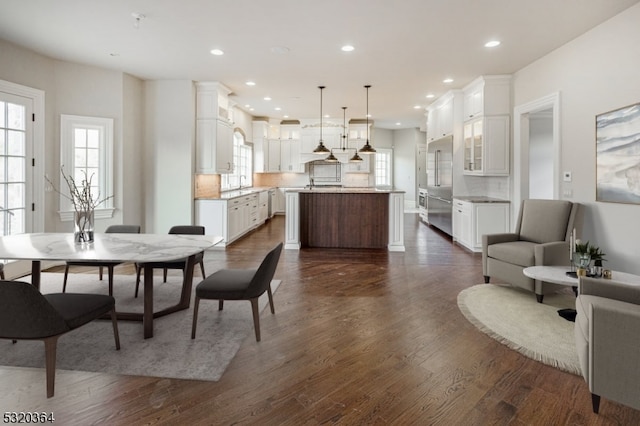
(359, 337)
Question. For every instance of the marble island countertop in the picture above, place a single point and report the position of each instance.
(479, 199)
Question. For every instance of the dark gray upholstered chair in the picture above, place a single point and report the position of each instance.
(176, 264)
(26, 314)
(239, 284)
(2, 271)
(113, 229)
(541, 237)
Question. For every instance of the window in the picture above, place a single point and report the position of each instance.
(242, 175)
(13, 165)
(383, 167)
(86, 145)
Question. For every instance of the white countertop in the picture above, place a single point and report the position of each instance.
(228, 195)
(479, 199)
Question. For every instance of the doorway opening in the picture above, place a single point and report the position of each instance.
(536, 151)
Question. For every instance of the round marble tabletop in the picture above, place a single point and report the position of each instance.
(558, 275)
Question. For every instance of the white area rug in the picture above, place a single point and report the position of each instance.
(171, 353)
(514, 318)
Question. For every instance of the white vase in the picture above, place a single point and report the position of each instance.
(83, 227)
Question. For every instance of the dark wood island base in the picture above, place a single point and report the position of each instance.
(344, 220)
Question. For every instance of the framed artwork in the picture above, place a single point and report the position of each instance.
(618, 155)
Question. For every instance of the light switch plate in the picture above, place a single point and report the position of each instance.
(566, 176)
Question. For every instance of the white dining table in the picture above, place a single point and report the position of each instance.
(142, 249)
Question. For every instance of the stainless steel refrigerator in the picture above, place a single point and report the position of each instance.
(440, 183)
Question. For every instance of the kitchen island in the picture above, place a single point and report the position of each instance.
(344, 218)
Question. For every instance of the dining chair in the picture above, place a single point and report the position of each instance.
(239, 284)
(113, 229)
(175, 264)
(26, 314)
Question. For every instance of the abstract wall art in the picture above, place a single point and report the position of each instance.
(618, 155)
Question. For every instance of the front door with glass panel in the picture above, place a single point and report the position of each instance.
(15, 170)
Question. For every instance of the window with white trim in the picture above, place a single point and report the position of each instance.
(242, 175)
(384, 167)
(86, 152)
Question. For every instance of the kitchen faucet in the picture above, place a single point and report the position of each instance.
(242, 177)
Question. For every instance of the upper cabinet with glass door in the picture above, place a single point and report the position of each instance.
(487, 105)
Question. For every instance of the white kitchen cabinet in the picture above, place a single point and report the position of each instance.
(486, 146)
(290, 156)
(461, 222)
(442, 115)
(280, 201)
(487, 95)
(472, 220)
(263, 206)
(289, 131)
(214, 131)
(230, 218)
(273, 156)
(214, 146)
(260, 145)
(212, 101)
(362, 167)
(358, 133)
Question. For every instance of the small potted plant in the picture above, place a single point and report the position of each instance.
(597, 256)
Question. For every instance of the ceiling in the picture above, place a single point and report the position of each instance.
(404, 48)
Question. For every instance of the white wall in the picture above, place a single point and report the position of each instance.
(72, 88)
(541, 156)
(169, 154)
(594, 73)
(404, 163)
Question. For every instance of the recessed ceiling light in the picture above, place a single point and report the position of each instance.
(431, 96)
(285, 116)
(247, 106)
(278, 108)
(250, 83)
(251, 109)
(417, 107)
(217, 52)
(347, 48)
(280, 50)
(447, 80)
(327, 116)
(492, 43)
(267, 98)
(398, 124)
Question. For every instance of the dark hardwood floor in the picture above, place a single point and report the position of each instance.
(359, 337)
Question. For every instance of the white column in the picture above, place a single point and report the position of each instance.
(396, 221)
(292, 221)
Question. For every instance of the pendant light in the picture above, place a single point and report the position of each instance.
(367, 149)
(356, 158)
(321, 149)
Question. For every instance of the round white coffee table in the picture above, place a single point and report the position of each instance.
(558, 275)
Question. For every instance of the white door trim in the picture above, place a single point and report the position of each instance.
(521, 148)
(37, 97)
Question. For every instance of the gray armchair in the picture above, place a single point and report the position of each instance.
(607, 340)
(541, 237)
